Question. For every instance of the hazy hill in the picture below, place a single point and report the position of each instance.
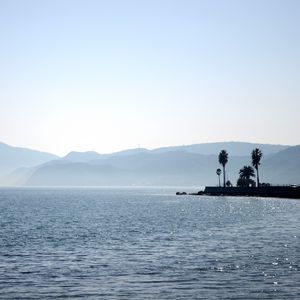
(82, 156)
(91, 155)
(171, 168)
(165, 166)
(233, 148)
(283, 167)
(16, 157)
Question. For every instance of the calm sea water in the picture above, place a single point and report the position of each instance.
(146, 244)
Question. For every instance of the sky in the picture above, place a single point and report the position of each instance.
(112, 75)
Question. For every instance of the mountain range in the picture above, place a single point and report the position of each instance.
(192, 165)
(16, 157)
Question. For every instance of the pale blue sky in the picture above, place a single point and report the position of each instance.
(110, 75)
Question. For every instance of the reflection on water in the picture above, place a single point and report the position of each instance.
(147, 243)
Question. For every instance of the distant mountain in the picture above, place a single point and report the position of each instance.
(82, 156)
(233, 148)
(164, 166)
(16, 157)
(127, 152)
(73, 174)
(91, 155)
(283, 167)
(172, 168)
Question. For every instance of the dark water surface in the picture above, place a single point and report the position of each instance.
(146, 244)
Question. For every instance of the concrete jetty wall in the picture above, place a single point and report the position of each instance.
(268, 191)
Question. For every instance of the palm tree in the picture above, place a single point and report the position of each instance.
(246, 172)
(219, 173)
(223, 159)
(245, 176)
(256, 157)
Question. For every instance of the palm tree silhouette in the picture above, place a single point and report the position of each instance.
(223, 159)
(245, 176)
(256, 157)
(246, 172)
(219, 173)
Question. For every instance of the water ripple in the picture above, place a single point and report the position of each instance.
(141, 244)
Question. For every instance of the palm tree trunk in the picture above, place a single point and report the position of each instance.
(224, 176)
(257, 177)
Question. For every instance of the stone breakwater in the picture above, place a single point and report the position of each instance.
(269, 191)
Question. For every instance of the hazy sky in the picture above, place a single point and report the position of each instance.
(109, 75)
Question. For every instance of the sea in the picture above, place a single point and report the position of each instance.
(146, 243)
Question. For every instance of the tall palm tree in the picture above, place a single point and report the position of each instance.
(223, 159)
(256, 157)
(219, 173)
